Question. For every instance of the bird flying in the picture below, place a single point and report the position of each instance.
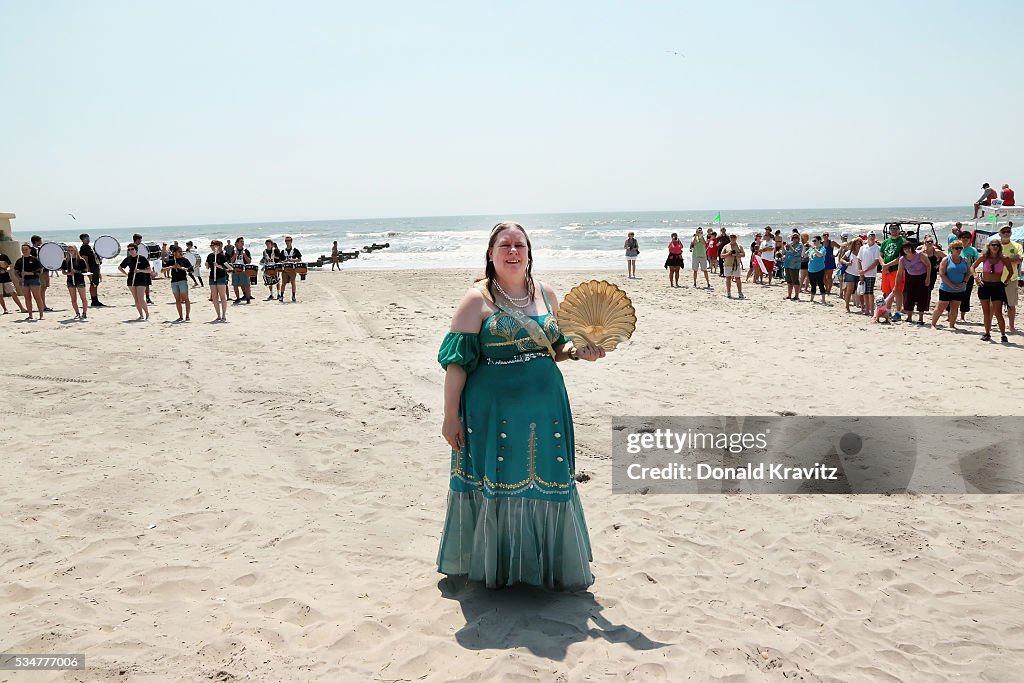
(72, 216)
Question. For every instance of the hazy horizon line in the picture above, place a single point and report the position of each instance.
(710, 212)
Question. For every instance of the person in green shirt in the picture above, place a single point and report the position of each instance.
(699, 256)
(890, 250)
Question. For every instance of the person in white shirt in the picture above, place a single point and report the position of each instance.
(870, 258)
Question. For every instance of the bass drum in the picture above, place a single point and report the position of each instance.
(106, 246)
(53, 255)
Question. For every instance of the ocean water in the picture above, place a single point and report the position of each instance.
(566, 241)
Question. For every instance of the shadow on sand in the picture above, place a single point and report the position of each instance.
(544, 622)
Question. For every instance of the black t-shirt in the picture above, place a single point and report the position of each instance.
(5, 275)
(138, 271)
(291, 254)
(177, 274)
(76, 277)
(242, 256)
(221, 260)
(28, 265)
(89, 255)
(33, 251)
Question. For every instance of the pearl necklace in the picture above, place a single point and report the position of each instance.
(518, 302)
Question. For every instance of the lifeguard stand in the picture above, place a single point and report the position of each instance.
(8, 245)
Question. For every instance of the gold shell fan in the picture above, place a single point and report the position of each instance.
(597, 312)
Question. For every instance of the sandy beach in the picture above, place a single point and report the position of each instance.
(262, 500)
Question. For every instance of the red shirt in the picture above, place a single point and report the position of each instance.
(712, 249)
(1008, 197)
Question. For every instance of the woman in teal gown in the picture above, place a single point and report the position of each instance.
(514, 515)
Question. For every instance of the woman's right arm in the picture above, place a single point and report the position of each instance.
(467, 319)
(945, 280)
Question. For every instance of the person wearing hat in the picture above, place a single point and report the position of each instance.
(987, 195)
(1012, 251)
(890, 249)
(870, 257)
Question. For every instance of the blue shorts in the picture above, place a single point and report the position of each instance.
(29, 281)
(851, 278)
(179, 287)
(240, 280)
(221, 280)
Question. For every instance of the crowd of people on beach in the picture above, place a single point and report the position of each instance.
(144, 264)
(818, 266)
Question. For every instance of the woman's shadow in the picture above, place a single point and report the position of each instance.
(544, 622)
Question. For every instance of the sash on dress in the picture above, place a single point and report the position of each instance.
(527, 323)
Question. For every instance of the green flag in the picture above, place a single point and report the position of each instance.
(994, 218)
(718, 218)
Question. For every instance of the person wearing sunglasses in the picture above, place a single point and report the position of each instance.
(991, 271)
(954, 273)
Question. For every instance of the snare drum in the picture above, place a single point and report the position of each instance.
(53, 255)
(252, 270)
(300, 268)
(271, 274)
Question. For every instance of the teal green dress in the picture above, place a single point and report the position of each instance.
(514, 515)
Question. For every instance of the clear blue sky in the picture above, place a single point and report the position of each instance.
(156, 113)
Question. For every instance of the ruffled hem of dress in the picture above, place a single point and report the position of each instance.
(504, 541)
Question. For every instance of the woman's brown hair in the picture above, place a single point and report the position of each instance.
(489, 271)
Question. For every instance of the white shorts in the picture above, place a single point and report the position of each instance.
(735, 271)
(631, 258)
(7, 288)
(699, 262)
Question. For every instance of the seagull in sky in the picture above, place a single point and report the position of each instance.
(72, 216)
(677, 54)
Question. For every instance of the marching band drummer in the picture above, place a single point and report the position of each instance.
(143, 250)
(28, 269)
(181, 268)
(75, 268)
(6, 285)
(92, 261)
(191, 249)
(139, 277)
(219, 267)
(290, 255)
(240, 278)
(271, 255)
(44, 275)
